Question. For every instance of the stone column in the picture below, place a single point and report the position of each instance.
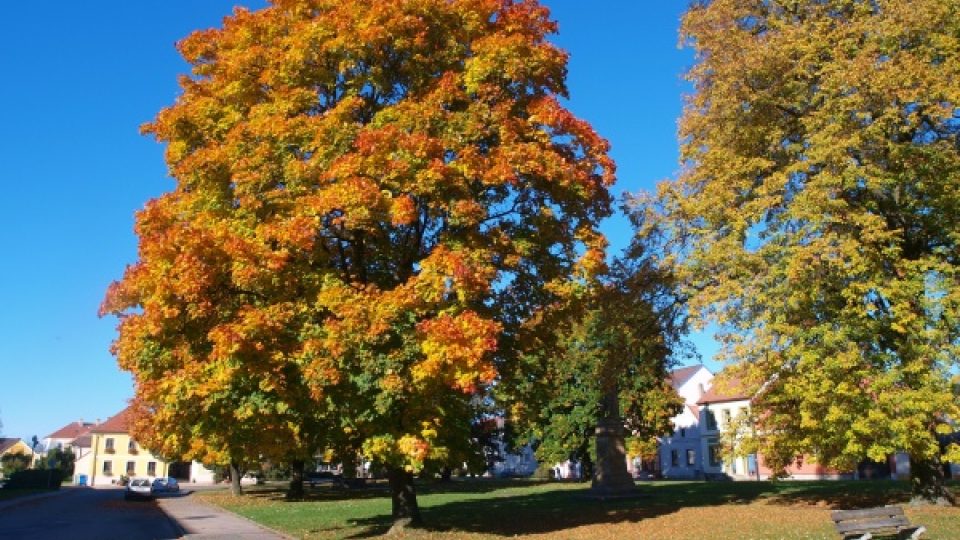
(610, 475)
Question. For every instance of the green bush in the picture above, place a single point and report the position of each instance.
(35, 479)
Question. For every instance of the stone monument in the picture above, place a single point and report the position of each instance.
(610, 477)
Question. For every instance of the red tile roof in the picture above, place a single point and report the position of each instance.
(724, 389)
(118, 423)
(72, 430)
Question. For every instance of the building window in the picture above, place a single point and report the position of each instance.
(715, 460)
(108, 445)
(108, 468)
(691, 457)
(131, 468)
(132, 447)
(683, 432)
(674, 458)
(711, 419)
(727, 419)
(152, 468)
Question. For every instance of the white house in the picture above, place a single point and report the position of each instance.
(680, 453)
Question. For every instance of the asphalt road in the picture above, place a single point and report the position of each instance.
(86, 514)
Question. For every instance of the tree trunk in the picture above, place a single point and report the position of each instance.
(349, 467)
(295, 493)
(927, 482)
(446, 473)
(235, 488)
(406, 513)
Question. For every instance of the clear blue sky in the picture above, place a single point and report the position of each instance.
(78, 80)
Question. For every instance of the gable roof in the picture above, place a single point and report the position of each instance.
(118, 423)
(724, 389)
(9, 442)
(680, 376)
(72, 430)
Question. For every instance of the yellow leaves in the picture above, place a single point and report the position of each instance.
(455, 349)
(466, 273)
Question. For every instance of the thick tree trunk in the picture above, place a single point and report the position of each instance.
(350, 467)
(235, 487)
(927, 483)
(406, 513)
(295, 492)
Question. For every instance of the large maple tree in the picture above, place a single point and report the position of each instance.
(369, 196)
(816, 219)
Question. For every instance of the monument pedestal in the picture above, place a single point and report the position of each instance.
(611, 477)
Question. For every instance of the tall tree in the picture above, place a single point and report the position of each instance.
(369, 195)
(602, 354)
(815, 217)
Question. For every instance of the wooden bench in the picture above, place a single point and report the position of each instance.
(889, 520)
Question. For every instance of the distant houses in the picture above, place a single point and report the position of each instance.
(14, 446)
(106, 451)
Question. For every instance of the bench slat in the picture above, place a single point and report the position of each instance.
(872, 525)
(883, 511)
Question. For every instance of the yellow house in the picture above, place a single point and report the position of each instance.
(114, 453)
(14, 446)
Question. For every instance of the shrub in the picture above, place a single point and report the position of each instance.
(35, 479)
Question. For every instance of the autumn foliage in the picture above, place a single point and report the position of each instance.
(368, 195)
(815, 220)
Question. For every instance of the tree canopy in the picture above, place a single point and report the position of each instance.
(604, 353)
(370, 195)
(815, 218)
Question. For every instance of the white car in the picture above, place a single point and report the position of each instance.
(139, 488)
(250, 479)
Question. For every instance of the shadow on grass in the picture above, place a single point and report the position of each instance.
(379, 488)
(555, 510)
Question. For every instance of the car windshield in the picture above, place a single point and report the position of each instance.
(140, 483)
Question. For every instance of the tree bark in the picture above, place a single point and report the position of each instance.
(295, 492)
(235, 488)
(406, 513)
(927, 482)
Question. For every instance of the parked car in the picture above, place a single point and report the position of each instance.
(251, 479)
(139, 488)
(166, 485)
(321, 477)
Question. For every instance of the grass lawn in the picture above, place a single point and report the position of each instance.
(668, 510)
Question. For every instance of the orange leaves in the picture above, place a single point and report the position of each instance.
(465, 273)
(353, 177)
(403, 210)
(455, 349)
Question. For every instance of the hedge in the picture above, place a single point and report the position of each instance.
(35, 479)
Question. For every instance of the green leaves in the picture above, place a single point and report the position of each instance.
(821, 163)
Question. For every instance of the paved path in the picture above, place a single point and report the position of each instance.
(202, 521)
(95, 514)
